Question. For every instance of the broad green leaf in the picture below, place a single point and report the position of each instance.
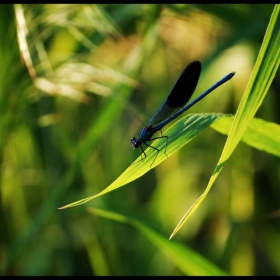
(187, 260)
(179, 135)
(263, 73)
(262, 135)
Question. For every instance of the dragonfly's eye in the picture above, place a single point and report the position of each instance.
(135, 143)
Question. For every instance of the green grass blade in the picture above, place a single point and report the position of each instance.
(179, 135)
(187, 260)
(263, 73)
(22, 33)
(262, 135)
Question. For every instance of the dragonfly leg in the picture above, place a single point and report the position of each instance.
(154, 149)
(145, 143)
(166, 139)
(142, 152)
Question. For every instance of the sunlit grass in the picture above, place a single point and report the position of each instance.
(76, 83)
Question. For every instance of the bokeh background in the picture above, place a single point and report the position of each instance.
(76, 83)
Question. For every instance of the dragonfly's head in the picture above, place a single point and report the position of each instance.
(135, 143)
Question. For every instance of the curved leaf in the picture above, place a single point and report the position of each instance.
(263, 73)
(187, 260)
(262, 135)
(179, 135)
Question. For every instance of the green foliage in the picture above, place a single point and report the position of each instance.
(78, 81)
(183, 257)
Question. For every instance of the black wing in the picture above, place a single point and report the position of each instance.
(180, 94)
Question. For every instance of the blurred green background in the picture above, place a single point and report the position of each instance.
(76, 83)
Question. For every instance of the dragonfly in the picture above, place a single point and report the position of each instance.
(174, 106)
